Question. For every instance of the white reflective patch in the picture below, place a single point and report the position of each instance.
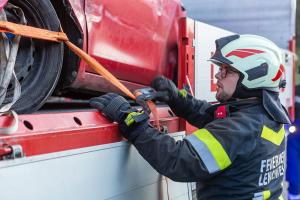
(258, 196)
(297, 99)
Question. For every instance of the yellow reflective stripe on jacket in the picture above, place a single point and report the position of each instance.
(214, 146)
(183, 93)
(262, 195)
(130, 118)
(281, 197)
(266, 194)
(272, 136)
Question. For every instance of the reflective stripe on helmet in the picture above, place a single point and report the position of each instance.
(243, 53)
(280, 72)
(210, 150)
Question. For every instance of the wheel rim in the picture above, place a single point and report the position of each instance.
(31, 62)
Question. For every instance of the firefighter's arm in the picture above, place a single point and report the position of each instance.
(181, 103)
(176, 160)
(199, 156)
(191, 109)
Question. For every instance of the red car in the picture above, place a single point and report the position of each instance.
(2, 3)
(134, 39)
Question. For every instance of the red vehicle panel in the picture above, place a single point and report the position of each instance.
(135, 42)
(2, 3)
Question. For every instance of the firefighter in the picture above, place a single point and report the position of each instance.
(238, 151)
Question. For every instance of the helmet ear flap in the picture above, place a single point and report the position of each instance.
(239, 86)
(242, 92)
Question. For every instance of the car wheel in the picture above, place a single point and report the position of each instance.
(38, 64)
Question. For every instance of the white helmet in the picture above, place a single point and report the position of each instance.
(257, 58)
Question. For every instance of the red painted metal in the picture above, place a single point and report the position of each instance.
(5, 150)
(186, 53)
(186, 67)
(213, 84)
(95, 82)
(2, 3)
(54, 132)
(135, 42)
(292, 48)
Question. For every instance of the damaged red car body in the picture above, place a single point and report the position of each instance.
(135, 40)
(2, 3)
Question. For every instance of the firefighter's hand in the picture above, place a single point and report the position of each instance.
(114, 106)
(163, 84)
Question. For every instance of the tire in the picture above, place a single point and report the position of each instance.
(38, 63)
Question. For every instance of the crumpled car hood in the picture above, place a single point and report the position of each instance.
(2, 3)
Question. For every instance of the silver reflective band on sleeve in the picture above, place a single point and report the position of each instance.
(262, 195)
(204, 153)
(297, 99)
(258, 196)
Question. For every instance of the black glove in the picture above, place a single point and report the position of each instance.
(163, 84)
(114, 106)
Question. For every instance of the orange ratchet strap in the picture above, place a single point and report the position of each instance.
(32, 32)
(43, 34)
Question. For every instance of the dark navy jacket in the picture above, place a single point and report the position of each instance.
(241, 156)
